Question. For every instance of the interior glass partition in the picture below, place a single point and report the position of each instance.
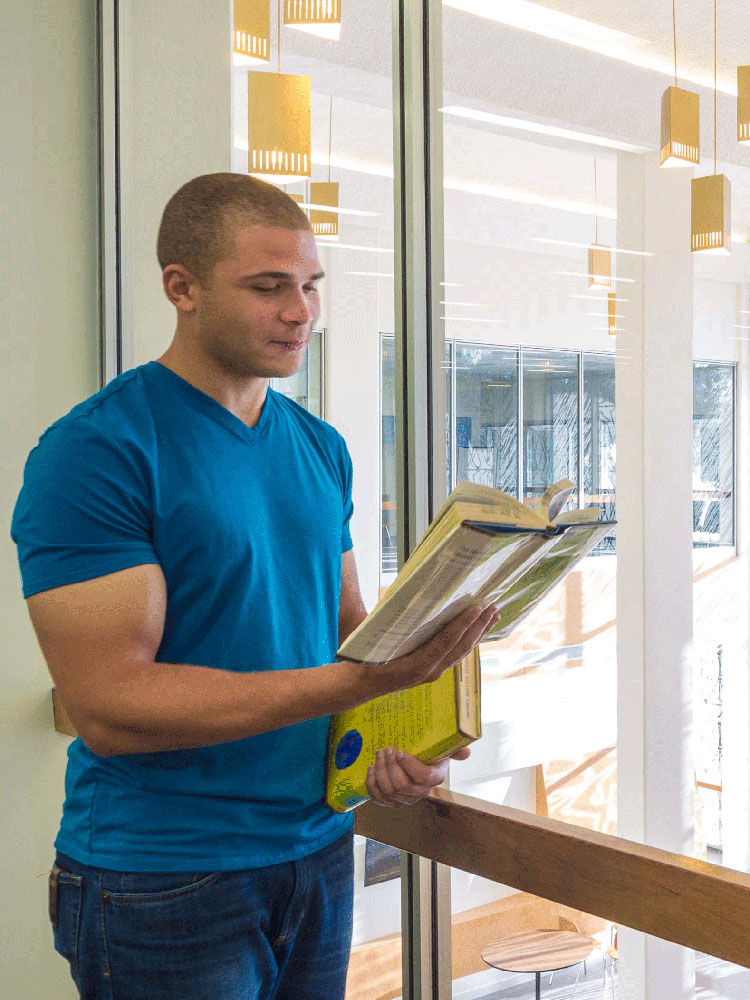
(536, 174)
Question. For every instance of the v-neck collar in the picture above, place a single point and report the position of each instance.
(212, 408)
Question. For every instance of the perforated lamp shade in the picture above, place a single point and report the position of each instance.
(680, 128)
(600, 266)
(710, 214)
(278, 126)
(317, 17)
(324, 223)
(252, 31)
(743, 104)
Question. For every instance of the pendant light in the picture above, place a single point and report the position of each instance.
(600, 257)
(680, 119)
(317, 17)
(710, 201)
(252, 32)
(743, 104)
(611, 314)
(278, 124)
(326, 193)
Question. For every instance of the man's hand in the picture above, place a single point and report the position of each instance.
(397, 779)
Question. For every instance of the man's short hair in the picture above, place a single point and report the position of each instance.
(199, 222)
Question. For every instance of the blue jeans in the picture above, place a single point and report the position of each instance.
(282, 931)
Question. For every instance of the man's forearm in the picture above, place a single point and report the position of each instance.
(172, 706)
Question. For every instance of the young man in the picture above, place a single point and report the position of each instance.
(183, 537)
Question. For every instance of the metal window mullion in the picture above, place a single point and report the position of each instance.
(109, 279)
(420, 404)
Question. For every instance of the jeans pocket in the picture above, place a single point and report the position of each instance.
(148, 888)
(64, 904)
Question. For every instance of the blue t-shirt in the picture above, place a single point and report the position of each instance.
(248, 525)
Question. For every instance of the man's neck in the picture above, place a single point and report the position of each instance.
(242, 397)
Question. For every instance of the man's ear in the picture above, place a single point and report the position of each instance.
(181, 287)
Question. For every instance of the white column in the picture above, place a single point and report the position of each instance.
(735, 798)
(654, 405)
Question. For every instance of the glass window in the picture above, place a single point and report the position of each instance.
(306, 386)
(599, 452)
(713, 454)
(487, 416)
(550, 421)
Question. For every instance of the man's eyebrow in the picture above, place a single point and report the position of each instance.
(281, 275)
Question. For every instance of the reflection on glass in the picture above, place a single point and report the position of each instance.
(487, 416)
(599, 451)
(713, 454)
(389, 554)
(389, 517)
(306, 386)
(550, 421)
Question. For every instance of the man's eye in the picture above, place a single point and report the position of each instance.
(263, 288)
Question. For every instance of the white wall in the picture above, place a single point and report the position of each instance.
(170, 133)
(48, 363)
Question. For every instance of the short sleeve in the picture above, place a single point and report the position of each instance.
(348, 506)
(83, 510)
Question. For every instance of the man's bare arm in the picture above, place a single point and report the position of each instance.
(100, 639)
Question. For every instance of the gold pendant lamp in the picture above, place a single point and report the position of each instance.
(325, 193)
(252, 32)
(278, 124)
(611, 314)
(711, 201)
(317, 17)
(680, 119)
(743, 104)
(600, 257)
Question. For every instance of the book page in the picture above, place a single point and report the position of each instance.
(556, 562)
(436, 592)
(552, 501)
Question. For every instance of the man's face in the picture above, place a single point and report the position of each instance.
(258, 316)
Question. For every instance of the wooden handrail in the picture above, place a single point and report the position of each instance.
(685, 900)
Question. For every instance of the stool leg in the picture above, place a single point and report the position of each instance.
(538, 986)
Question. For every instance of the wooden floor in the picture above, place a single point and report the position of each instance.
(714, 980)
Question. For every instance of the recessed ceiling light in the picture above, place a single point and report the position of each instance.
(467, 187)
(371, 274)
(338, 211)
(353, 246)
(597, 298)
(472, 319)
(613, 316)
(585, 246)
(583, 274)
(523, 125)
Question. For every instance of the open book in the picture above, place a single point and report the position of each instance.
(482, 547)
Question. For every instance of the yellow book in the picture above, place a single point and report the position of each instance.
(483, 547)
(430, 721)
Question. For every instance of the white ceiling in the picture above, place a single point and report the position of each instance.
(651, 23)
(510, 71)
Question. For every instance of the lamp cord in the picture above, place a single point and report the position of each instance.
(278, 67)
(596, 209)
(714, 86)
(330, 135)
(674, 35)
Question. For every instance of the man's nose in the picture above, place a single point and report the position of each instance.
(298, 308)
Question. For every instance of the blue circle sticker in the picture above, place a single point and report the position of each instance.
(349, 748)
